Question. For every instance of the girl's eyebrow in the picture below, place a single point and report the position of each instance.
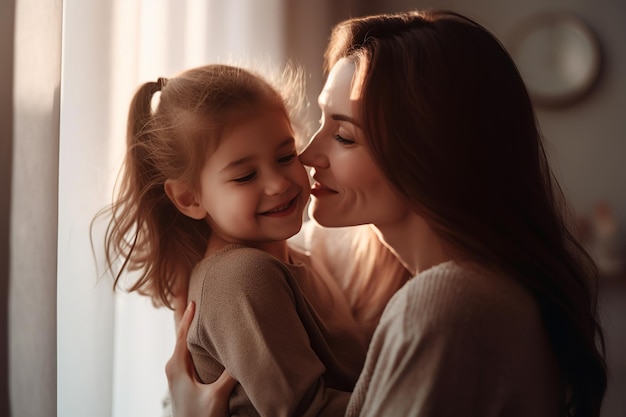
(289, 141)
(236, 163)
(245, 159)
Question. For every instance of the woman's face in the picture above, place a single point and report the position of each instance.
(349, 188)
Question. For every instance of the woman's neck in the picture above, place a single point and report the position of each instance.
(413, 242)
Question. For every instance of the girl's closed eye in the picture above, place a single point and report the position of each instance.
(287, 158)
(245, 178)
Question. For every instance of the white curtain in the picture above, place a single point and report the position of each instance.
(112, 348)
(74, 347)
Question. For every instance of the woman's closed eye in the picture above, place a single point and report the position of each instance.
(343, 141)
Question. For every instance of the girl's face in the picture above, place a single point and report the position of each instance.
(349, 187)
(253, 187)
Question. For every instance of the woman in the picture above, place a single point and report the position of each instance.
(428, 133)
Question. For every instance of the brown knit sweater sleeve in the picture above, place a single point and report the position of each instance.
(459, 342)
(253, 320)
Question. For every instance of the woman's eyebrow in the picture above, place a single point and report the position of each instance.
(345, 118)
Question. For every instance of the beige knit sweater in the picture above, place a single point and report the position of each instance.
(458, 342)
(284, 331)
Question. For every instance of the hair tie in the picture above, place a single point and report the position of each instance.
(161, 82)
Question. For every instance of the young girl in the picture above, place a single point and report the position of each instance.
(211, 189)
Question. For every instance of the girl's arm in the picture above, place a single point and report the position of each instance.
(191, 398)
(254, 320)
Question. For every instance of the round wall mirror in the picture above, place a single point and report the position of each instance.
(558, 56)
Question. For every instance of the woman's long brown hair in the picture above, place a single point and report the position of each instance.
(444, 101)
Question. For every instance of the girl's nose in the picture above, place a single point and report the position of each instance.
(313, 155)
(276, 184)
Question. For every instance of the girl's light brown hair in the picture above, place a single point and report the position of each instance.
(449, 122)
(169, 136)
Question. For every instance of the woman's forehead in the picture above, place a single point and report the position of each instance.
(338, 92)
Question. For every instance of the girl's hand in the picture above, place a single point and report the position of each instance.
(191, 398)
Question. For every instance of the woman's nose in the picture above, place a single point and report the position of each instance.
(313, 154)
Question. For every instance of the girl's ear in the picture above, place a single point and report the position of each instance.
(184, 199)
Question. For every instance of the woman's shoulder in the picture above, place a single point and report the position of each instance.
(452, 292)
(460, 280)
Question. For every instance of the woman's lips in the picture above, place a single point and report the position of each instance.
(319, 190)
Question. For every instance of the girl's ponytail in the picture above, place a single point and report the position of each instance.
(140, 110)
(142, 215)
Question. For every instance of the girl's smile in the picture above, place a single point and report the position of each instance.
(282, 210)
